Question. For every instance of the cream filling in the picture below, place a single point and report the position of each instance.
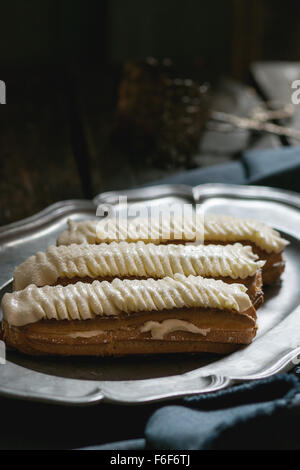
(216, 228)
(160, 329)
(86, 334)
(83, 301)
(137, 260)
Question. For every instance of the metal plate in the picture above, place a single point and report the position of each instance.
(142, 379)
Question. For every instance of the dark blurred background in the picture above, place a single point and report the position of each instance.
(224, 37)
(62, 63)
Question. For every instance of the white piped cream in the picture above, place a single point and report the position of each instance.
(216, 228)
(137, 260)
(83, 301)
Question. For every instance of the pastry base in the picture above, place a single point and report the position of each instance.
(271, 271)
(107, 336)
(254, 286)
(274, 266)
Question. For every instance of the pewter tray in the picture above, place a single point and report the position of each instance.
(82, 381)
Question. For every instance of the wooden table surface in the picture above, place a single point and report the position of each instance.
(55, 140)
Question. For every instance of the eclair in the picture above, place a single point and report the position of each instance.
(86, 263)
(266, 242)
(173, 314)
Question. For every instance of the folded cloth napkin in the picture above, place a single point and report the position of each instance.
(275, 167)
(237, 418)
(261, 414)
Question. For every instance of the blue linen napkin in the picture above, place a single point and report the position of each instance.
(275, 167)
(222, 419)
(262, 414)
